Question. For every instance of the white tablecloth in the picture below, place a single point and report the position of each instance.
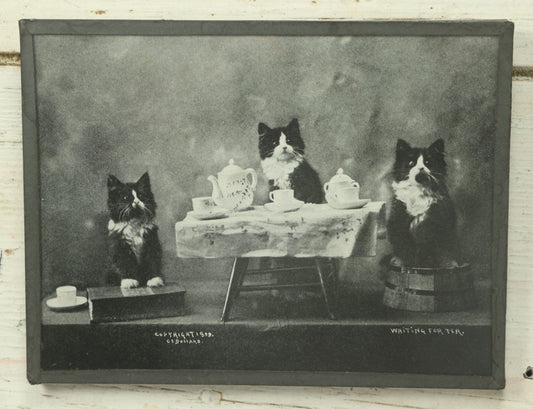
(315, 230)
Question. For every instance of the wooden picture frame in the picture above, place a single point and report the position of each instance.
(70, 352)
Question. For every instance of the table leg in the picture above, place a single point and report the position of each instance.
(240, 281)
(323, 283)
(333, 281)
(237, 273)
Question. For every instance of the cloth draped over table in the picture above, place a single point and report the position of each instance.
(315, 230)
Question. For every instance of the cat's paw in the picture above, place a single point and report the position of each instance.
(129, 283)
(155, 282)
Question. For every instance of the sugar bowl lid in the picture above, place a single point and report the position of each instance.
(231, 169)
(340, 177)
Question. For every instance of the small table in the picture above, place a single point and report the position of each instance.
(314, 231)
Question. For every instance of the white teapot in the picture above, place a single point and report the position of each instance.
(233, 189)
(341, 187)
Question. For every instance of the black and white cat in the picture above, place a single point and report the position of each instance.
(134, 243)
(283, 162)
(421, 224)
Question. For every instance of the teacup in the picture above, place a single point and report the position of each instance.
(66, 295)
(282, 196)
(203, 204)
(345, 195)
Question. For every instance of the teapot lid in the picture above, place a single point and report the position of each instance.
(231, 169)
(340, 177)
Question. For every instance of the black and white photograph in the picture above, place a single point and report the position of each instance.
(288, 199)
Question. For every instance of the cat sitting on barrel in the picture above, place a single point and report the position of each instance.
(422, 221)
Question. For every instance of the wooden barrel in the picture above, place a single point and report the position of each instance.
(429, 289)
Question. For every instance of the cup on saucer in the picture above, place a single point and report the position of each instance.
(66, 295)
(66, 299)
(283, 200)
(282, 197)
(204, 204)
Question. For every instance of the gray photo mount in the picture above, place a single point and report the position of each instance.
(218, 360)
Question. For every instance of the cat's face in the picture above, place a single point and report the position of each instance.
(127, 201)
(283, 144)
(425, 166)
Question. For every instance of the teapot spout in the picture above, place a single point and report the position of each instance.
(217, 194)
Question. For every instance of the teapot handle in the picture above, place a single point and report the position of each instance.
(355, 184)
(252, 173)
(326, 186)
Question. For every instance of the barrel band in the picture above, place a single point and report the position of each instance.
(430, 271)
(428, 292)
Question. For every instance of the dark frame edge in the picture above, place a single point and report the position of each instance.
(271, 378)
(304, 27)
(501, 202)
(32, 217)
(28, 28)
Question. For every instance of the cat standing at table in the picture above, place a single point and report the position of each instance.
(282, 159)
(134, 243)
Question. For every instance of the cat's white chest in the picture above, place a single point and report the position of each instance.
(279, 171)
(132, 232)
(417, 201)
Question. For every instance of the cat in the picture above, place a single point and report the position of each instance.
(422, 222)
(135, 249)
(282, 159)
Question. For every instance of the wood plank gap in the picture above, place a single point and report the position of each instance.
(521, 73)
(9, 58)
(13, 58)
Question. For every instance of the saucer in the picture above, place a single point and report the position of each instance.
(244, 209)
(213, 214)
(286, 207)
(352, 204)
(54, 306)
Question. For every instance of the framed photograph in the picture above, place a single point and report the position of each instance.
(265, 202)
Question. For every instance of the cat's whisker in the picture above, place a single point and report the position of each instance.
(435, 179)
(298, 156)
(124, 212)
(148, 212)
(120, 214)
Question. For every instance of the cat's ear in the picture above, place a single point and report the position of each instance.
(112, 182)
(402, 146)
(293, 126)
(437, 146)
(144, 181)
(262, 129)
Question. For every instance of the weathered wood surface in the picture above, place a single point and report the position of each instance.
(518, 11)
(15, 392)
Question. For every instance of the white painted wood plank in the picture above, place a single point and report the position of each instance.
(519, 11)
(16, 392)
